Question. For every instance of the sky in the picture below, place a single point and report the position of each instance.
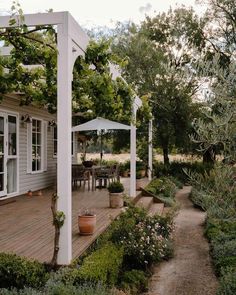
(92, 13)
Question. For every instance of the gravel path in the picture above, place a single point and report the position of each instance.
(190, 271)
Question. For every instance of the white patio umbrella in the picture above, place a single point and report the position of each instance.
(100, 124)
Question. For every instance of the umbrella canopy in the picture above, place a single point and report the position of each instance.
(100, 124)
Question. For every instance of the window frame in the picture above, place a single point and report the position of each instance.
(43, 148)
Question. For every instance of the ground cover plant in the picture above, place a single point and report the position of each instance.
(215, 192)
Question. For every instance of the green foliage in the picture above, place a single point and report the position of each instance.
(102, 265)
(159, 67)
(164, 188)
(138, 174)
(115, 187)
(216, 227)
(228, 282)
(61, 289)
(134, 281)
(224, 254)
(177, 169)
(124, 167)
(215, 191)
(145, 239)
(19, 272)
(92, 82)
(59, 218)
(86, 289)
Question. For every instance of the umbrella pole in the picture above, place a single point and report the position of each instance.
(101, 146)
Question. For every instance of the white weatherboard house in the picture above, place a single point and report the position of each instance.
(28, 147)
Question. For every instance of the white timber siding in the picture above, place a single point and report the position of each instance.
(31, 181)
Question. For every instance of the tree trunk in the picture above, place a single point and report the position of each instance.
(166, 155)
(209, 156)
(57, 232)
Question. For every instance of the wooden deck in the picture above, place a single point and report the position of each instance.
(26, 224)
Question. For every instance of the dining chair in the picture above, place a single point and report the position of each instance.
(103, 175)
(81, 175)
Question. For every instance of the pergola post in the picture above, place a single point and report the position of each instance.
(64, 80)
(150, 150)
(136, 105)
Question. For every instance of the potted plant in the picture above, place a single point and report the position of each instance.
(88, 164)
(116, 190)
(87, 222)
(138, 180)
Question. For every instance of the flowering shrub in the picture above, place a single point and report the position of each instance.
(145, 239)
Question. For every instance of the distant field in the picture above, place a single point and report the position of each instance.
(125, 157)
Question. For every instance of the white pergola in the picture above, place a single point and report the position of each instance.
(71, 42)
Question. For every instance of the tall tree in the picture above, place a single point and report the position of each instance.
(215, 132)
(159, 56)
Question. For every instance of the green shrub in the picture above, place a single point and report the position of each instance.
(68, 289)
(215, 191)
(228, 282)
(222, 237)
(216, 227)
(115, 187)
(176, 169)
(164, 189)
(224, 254)
(19, 272)
(61, 289)
(25, 291)
(102, 265)
(134, 281)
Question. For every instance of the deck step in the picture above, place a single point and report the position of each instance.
(156, 208)
(145, 202)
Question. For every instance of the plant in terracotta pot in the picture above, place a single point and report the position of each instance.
(88, 164)
(116, 195)
(138, 180)
(86, 222)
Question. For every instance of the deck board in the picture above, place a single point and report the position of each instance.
(26, 224)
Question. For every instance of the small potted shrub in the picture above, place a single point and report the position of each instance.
(138, 180)
(88, 164)
(87, 222)
(116, 190)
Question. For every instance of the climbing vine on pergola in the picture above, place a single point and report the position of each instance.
(93, 87)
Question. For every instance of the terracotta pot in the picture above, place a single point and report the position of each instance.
(116, 200)
(138, 184)
(126, 173)
(143, 172)
(30, 194)
(87, 224)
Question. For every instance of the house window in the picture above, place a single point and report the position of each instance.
(36, 145)
(55, 142)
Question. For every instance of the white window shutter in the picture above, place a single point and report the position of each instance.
(45, 145)
(29, 148)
